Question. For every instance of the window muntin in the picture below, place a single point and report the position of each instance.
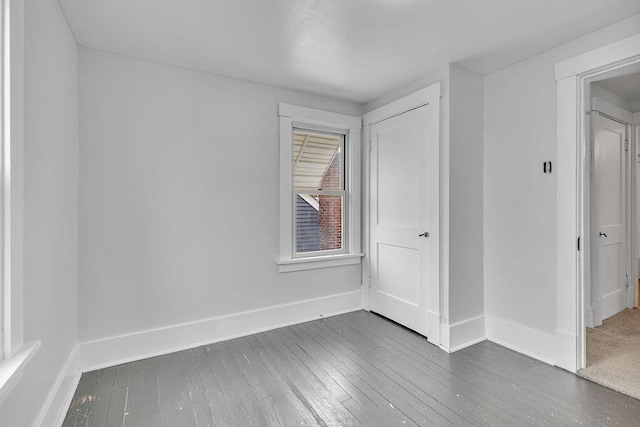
(319, 192)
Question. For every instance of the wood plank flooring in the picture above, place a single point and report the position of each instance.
(353, 369)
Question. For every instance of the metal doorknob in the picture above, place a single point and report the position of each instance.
(425, 234)
(603, 234)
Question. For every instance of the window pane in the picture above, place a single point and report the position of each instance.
(318, 222)
(332, 178)
(317, 161)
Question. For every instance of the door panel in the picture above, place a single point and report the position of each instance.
(404, 193)
(397, 180)
(399, 277)
(609, 208)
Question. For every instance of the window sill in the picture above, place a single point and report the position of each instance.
(298, 264)
(11, 369)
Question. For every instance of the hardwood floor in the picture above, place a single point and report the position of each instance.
(353, 369)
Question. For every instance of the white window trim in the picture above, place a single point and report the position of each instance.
(12, 369)
(15, 354)
(292, 116)
(5, 333)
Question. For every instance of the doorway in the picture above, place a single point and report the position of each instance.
(612, 320)
(573, 269)
(613, 194)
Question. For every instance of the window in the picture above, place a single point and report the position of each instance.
(319, 189)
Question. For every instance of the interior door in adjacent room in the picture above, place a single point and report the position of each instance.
(404, 194)
(609, 219)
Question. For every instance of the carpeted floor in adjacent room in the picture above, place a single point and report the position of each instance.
(613, 353)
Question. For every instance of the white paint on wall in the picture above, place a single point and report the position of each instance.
(519, 200)
(50, 210)
(612, 98)
(624, 82)
(466, 225)
(179, 198)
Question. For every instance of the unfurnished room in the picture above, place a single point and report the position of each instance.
(319, 212)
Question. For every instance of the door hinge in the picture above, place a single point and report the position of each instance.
(626, 145)
(626, 278)
(370, 145)
(578, 243)
(369, 282)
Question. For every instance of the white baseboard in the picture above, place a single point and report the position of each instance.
(59, 399)
(566, 349)
(144, 344)
(522, 339)
(589, 321)
(463, 334)
(611, 304)
(434, 335)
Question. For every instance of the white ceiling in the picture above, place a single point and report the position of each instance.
(626, 87)
(352, 49)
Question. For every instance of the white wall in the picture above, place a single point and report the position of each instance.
(466, 262)
(50, 206)
(179, 194)
(605, 95)
(520, 201)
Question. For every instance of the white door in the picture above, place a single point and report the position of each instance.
(404, 216)
(609, 222)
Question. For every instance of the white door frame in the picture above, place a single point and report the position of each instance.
(573, 192)
(402, 105)
(635, 223)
